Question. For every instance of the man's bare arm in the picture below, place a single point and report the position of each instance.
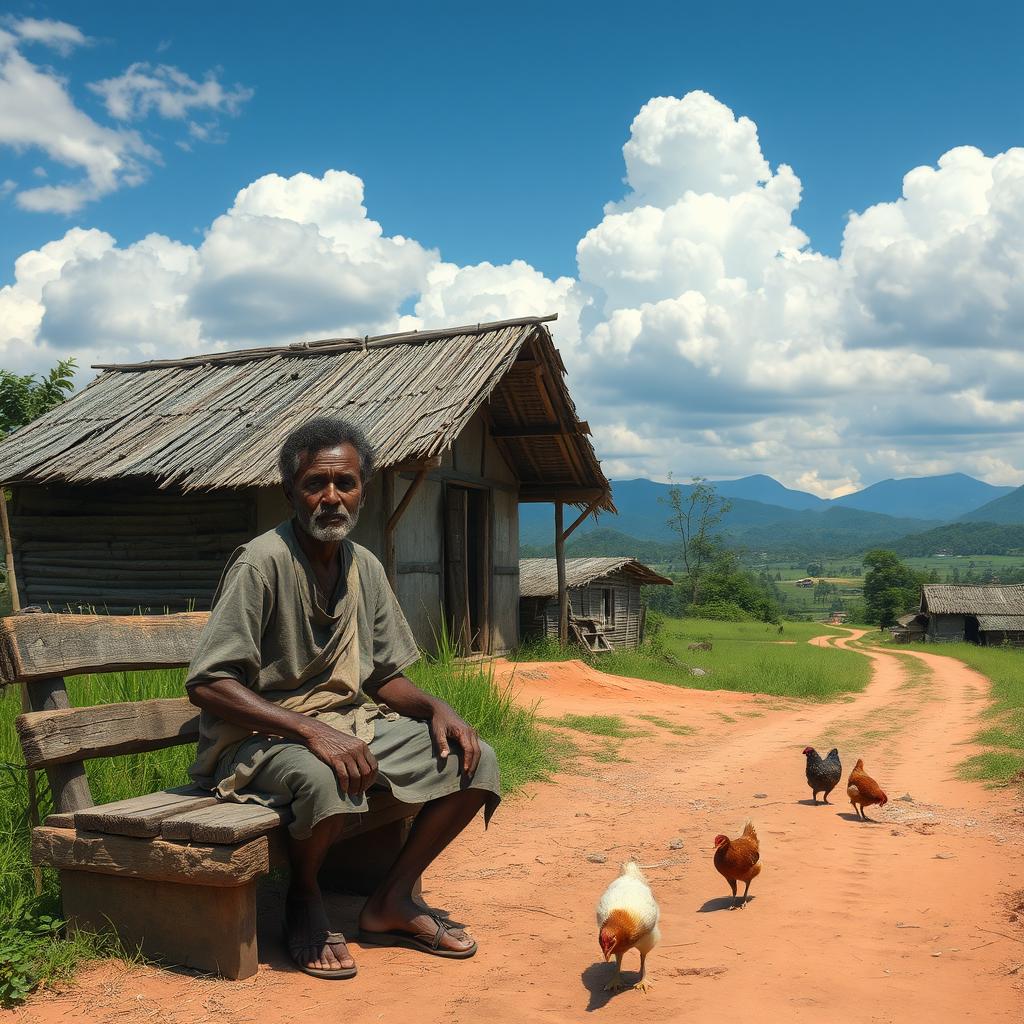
(404, 696)
(350, 757)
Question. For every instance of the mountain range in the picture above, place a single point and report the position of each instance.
(766, 515)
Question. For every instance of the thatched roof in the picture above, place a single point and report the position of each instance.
(218, 420)
(1001, 623)
(538, 577)
(950, 599)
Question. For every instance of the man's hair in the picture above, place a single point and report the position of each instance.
(315, 436)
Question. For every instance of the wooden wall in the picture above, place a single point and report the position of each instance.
(943, 628)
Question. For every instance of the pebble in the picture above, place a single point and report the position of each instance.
(944, 856)
(597, 858)
(906, 798)
(675, 844)
(760, 796)
(698, 671)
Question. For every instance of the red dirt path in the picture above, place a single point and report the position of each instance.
(911, 919)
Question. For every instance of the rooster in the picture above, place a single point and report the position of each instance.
(739, 860)
(863, 791)
(627, 916)
(823, 774)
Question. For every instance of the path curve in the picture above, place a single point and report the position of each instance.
(908, 920)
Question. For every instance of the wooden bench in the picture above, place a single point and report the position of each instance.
(173, 873)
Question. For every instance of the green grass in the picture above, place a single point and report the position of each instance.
(597, 725)
(673, 727)
(746, 658)
(1004, 668)
(525, 752)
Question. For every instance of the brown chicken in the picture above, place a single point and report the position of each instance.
(739, 860)
(863, 791)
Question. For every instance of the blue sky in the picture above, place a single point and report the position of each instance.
(494, 134)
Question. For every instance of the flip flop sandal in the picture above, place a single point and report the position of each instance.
(331, 939)
(404, 939)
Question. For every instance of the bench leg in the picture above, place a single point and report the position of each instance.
(206, 927)
(358, 865)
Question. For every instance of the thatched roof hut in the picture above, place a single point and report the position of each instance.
(133, 493)
(979, 614)
(605, 608)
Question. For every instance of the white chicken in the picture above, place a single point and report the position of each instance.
(627, 916)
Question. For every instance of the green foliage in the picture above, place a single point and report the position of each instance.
(596, 725)
(964, 539)
(696, 513)
(24, 940)
(23, 398)
(891, 588)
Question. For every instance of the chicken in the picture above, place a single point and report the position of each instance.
(627, 916)
(739, 860)
(863, 791)
(823, 774)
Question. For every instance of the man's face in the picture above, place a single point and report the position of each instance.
(328, 493)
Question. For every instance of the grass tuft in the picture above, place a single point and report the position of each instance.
(596, 725)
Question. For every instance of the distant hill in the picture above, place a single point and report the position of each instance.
(928, 497)
(963, 538)
(604, 542)
(1006, 509)
(768, 491)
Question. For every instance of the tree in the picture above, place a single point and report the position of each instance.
(891, 587)
(24, 398)
(696, 511)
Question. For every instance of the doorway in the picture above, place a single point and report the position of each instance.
(467, 567)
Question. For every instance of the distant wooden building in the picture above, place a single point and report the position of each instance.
(909, 627)
(605, 610)
(133, 494)
(988, 615)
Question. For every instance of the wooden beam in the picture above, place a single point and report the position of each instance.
(588, 511)
(563, 593)
(68, 849)
(390, 564)
(68, 783)
(537, 430)
(39, 646)
(66, 736)
(570, 493)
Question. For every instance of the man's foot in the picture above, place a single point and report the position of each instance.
(390, 920)
(313, 947)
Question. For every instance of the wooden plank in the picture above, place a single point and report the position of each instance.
(223, 822)
(36, 646)
(68, 849)
(457, 569)
(141, 815)
(427, 568)
(60, 737)
(65, 819)
(69, 786)
(208, 928)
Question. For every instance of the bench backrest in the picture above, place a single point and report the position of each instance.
(40, 649)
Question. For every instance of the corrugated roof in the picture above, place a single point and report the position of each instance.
(538, 577)
(218, 420)
(951, 599)
(1001, 623)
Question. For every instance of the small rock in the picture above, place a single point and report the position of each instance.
(582, 814)
(698, 671)
(944, 856)
(596, 858)
(894, 831)
(937, 953)
(542, 860)
(760, 796)
(906, 798)
(675, 844)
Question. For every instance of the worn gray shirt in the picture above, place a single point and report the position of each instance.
(269, 630)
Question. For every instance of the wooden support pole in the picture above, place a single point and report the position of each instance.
(563, 593)
(12, 589)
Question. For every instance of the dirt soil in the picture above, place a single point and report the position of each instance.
(914, 918)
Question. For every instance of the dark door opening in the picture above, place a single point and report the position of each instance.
(972, 634)
(467, 567)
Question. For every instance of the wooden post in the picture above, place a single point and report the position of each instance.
(563, 593)
(12, 588)
(390, 567)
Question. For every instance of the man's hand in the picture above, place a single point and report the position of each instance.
(447, 726)
(349, 756)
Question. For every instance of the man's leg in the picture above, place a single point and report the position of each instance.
(392, 906)
(305, 916)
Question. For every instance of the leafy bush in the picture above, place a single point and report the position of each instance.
(722, 611)
(24, 940)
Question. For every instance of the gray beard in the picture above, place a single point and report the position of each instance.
(333, 534)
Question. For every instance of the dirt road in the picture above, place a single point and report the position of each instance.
(910, 919)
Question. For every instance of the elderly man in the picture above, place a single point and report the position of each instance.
(299, 677)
